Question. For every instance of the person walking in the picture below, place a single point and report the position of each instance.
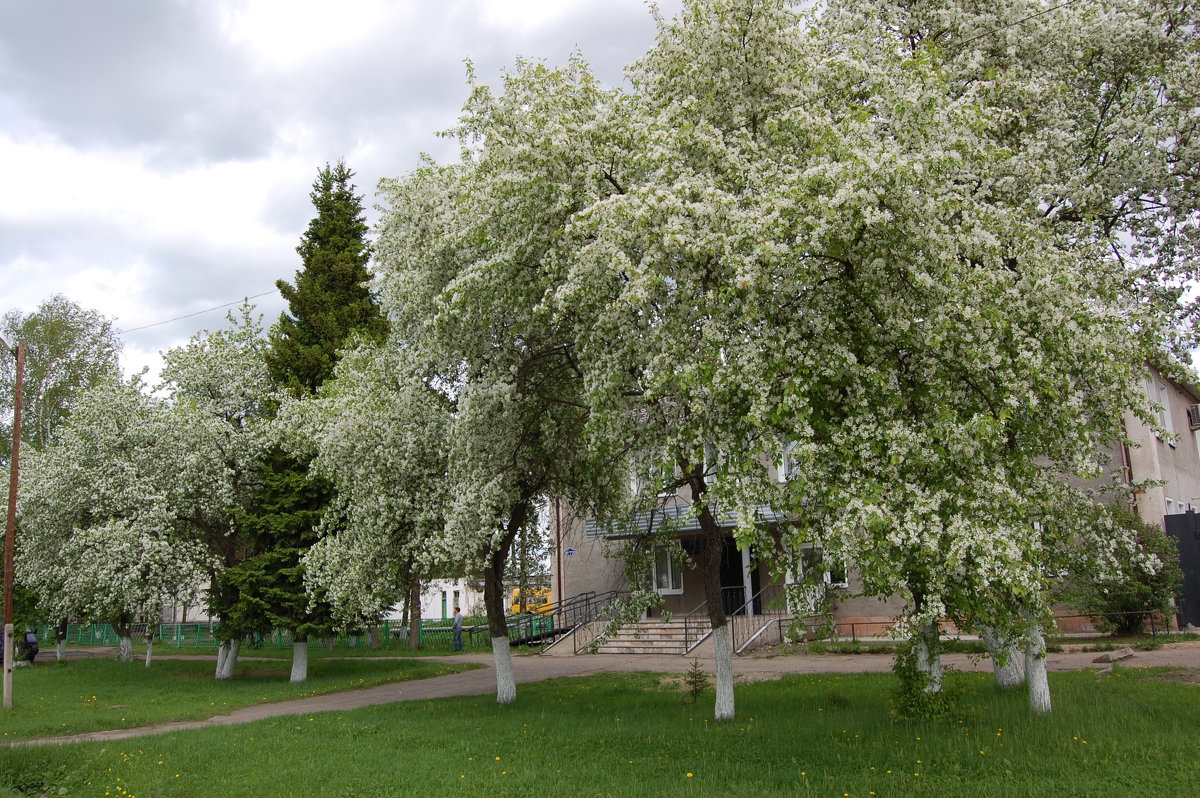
(457, 629)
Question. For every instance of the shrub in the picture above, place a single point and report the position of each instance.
(1148, 584)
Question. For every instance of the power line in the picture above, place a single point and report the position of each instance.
(197, 313)
(1035, 14)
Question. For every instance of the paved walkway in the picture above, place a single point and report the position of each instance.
(534, 668)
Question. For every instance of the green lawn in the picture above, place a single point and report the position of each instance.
(1133, 733)
(92, 694)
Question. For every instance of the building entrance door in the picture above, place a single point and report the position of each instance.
(1185, 528)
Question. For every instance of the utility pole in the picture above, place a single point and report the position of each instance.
(10, 532)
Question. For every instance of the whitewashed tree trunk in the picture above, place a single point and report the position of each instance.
(235, 648)
(125, 647)
(929, 656)
(299, 661)
(723, 649)
(226, 664)
(149, 650)
(1008, 660)
(1035, 671)
(60, 639)
(222, 654)
(506, 683)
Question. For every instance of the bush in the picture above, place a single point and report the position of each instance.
(1151, 579)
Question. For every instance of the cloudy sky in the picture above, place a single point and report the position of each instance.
(156, 155)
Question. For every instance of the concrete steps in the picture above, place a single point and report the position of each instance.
(650, 637)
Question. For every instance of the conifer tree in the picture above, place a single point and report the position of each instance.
(330, 299)
(327, 305)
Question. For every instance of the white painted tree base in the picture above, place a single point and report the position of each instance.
(929, 656)
(125, 649)
(723, 650)
(149, 651)
(1035, 671)
(506, 683)
(60, 650)
(227, 658)
(222, 653)
(1008, 660)
(299, 661)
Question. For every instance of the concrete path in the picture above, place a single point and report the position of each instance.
(535, 668)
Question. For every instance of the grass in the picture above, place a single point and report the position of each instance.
(94, 694)
(1054, 644)
(1131, 733)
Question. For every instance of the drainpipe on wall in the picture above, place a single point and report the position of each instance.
(558, 548)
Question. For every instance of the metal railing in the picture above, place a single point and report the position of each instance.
(549, 621)
(696, 626)
(766, 607)
(600, 611)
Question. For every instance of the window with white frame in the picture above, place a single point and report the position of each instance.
(830, 571)
(1159, 393)
(649, 478)
(712, 457)
(786, 467)
(668, 578)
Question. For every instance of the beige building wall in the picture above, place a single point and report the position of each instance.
(1172, 459)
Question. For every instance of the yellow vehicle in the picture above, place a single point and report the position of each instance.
(535, 600)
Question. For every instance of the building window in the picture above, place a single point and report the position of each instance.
(1160, 393)
(668, 579)
(650, 478)
(712, 459)
(830, 571)
(786, 467)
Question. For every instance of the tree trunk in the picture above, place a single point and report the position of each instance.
(493, 600)
(124, 639)
(506, 683)
(222, 654)
(723, 648)
(1035, 670)
(1008, 660)
(414, 615)
(149, 644)
(60, 639)
(373, 637)
(299, 660)
(929, 655)
(712, 550)
(227, 658)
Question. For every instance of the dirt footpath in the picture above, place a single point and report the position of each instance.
(533, 668)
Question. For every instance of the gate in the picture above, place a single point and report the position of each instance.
(1185, 528)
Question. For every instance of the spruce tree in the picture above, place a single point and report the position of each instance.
(330, 299)
(328, 304)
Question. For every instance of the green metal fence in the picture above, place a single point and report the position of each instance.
(203, 635)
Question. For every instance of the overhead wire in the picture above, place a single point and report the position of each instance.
(198, 312)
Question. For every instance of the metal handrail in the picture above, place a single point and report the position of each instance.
(591, 626)
(549, 620)
(694, 627)
(743, 628)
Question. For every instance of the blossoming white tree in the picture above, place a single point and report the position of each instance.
(378, 434)
(466, 257)
(100, 537)
(868, 239)
(218, 389)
